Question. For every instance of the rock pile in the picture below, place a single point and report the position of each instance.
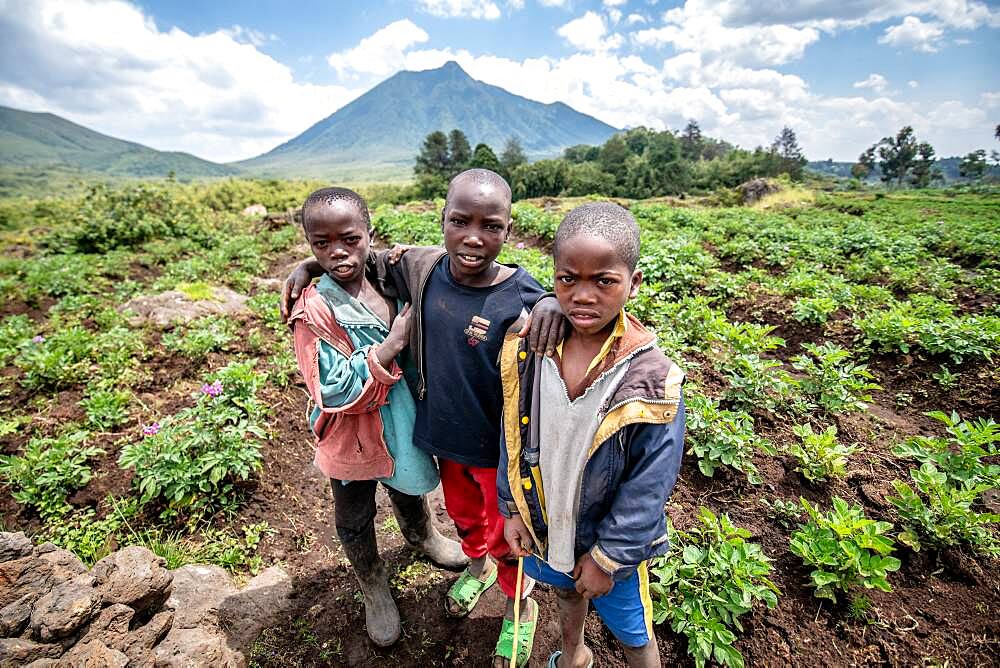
(128, 610)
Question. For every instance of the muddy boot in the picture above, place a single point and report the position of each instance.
(417, 527)
(381, 613)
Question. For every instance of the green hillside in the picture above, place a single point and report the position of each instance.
(32, 141)
(377, 135)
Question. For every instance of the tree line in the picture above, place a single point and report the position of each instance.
(637, 163)
(903, 160)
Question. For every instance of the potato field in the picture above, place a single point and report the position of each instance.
(838, 502)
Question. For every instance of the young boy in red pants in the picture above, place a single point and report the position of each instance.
(464, 303)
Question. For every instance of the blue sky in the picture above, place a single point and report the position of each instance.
(229, 80)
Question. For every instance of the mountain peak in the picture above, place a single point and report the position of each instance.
(451, 70)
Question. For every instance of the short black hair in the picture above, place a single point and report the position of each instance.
(329, 196)
(484, 177)
(602, 220)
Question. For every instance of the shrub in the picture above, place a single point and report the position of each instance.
(831, 380)
(946, 517)
(49, 470)
(406, 227)
(819, 456)
(845, 548)
(711, 578)
(57, 361)
(722, 438)
(194, 457)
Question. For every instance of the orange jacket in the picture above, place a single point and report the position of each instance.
(349, 440)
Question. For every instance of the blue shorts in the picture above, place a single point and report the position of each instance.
(627, 609)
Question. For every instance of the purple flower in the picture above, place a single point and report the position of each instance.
(520, 245)
(213, 390)
(38, 339)
(151, 429)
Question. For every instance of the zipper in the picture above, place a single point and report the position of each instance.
(422, 392)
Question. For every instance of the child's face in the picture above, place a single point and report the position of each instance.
(339, 237)
(476, 223)
(592, 283)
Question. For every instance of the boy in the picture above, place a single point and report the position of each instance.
(363, 413)
(464, 302)
(593, 439)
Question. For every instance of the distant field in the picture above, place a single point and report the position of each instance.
(817, 337)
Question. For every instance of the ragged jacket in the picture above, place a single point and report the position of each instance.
(633, 461)
(349, 439)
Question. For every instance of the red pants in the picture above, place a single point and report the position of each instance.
(470, 496)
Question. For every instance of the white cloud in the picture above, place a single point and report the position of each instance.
(380, 53)
(876, 82)
(633, 19)
(472, 9)
(832, 15)
(912, 84)
(615, 15)
(589, 33)
(914, 33)
(249, 35)
(687, 30)
(553, 3)
(108, 66)
(614, 3)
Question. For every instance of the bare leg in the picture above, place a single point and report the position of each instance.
(572, 614)
(647, 656)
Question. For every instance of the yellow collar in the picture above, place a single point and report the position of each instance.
(621, 327)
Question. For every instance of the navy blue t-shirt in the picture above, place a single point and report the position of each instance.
(464, 328)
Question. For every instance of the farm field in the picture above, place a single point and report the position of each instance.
(841, 352)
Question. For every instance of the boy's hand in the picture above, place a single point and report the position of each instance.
(515, 532)
(399, 335)
(395, 254)
(591, 581)
(296, 282)
(545, 326)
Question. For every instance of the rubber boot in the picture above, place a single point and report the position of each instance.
(414, 517)
(381, 613)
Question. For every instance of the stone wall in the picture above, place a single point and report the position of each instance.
(128, 610)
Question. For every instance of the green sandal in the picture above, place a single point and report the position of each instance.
(467, 590)
(525, 639)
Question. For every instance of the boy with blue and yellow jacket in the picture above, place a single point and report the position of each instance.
(592, 441)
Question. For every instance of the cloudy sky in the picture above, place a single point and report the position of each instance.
(228, 80)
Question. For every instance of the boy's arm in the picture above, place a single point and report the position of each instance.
(634, 518)
(355, 384)
(546, 324)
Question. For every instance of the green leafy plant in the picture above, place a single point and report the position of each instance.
(813, 310)
(941, 515)
(831, 380)
(965, 458)
(15, 331)
(760, 383)
(819, 456)
(49, 470)
(106, 409)
(845, 548)
(785, 513)
(711, 578)
(722, 438)
(194, 458)
(203, 336)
